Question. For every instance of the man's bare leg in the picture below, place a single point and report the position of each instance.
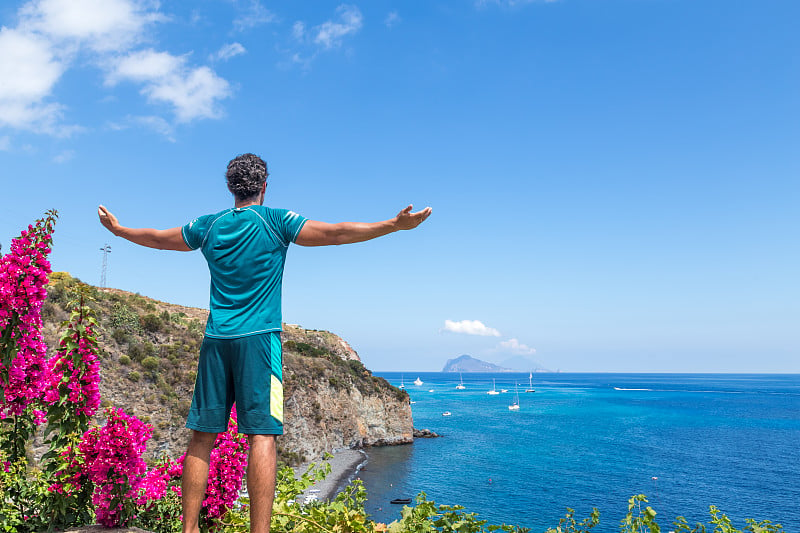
(261, 467)
(195, 478)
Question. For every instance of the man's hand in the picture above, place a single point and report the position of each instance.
(166, 239)
(108, 220)
(405, 219)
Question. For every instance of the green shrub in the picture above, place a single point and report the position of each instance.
(358, 367)
(124, 360)
(150, 362)
(305, 349)
(183, 408)
(149, 348)
(57, 294)
(120, 335)
(151, 323)
(124, 318)
(136, 351)
(134, 376)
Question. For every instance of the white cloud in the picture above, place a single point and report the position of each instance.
(192, 92)
(28, 68)
(5, 143)
(228, 51)
(470, 327)
(151, 122)
(144, 66)
(55, 35)
(392, 19)
(28, 72)
(254, 15)
(64, 156)
(157, 124)
(514, 346)
(103, 25)
(299, 30)
(326, 36)
(329, 34)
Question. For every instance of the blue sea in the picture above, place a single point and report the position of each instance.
(687, 441)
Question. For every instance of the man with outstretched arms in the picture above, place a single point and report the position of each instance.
(240, 359)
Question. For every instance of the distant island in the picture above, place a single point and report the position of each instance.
(467, 363)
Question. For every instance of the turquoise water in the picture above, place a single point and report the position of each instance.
(593, 440)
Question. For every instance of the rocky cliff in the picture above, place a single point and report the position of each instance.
(332, 404)
(148, 365)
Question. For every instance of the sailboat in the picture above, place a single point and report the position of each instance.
(402, 385)
(460, 386)
(417, 382)
(494, 389)
(515, 406)
(530, 381)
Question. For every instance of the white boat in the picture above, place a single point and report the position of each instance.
(402, 385)
(503, 390)
(447, 413)
(530, 381)
(417, 382)
(494, 389)
(430, 390)
(460, 386)
(515, 406)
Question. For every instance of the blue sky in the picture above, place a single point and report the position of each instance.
(614, 183)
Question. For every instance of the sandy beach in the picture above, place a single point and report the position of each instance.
(344, 465)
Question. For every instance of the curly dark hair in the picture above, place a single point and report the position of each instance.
(246, 175)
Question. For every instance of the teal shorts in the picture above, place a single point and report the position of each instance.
(245, 371)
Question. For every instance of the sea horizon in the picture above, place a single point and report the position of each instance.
(593, 439)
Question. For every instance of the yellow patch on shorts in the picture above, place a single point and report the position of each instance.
(276, 399)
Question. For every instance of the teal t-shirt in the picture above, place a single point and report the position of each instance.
(245, 248)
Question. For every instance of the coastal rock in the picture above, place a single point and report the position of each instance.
(333, 404)
(425, 434)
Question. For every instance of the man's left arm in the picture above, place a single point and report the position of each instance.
(164, 239)
(315, 233)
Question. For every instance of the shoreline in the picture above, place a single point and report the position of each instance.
(345, 465)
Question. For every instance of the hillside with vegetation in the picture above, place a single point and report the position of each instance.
(149, 361)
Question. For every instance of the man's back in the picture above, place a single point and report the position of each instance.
(245, 248)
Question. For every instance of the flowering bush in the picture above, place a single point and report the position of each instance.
(72, 398)
(75, 372)
(226, 471)
(23, 365)
(112, 461)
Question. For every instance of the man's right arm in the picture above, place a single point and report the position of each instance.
(165, 239)
(315, 233)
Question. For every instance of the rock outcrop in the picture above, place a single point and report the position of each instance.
(333, 401)
(328, 407)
